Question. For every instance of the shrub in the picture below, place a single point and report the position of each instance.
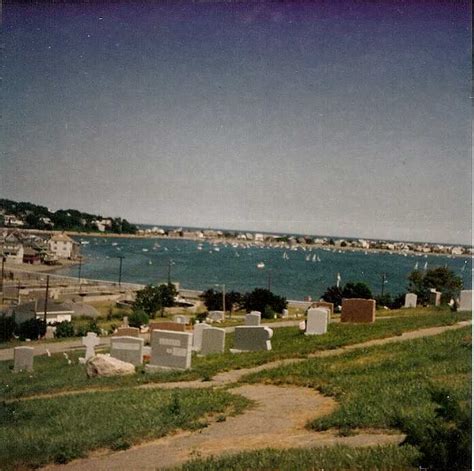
(445, 441)
(138, 318)
(31, 329)
(64, 329)
(268, 313)
(92, 326)
(7, 327)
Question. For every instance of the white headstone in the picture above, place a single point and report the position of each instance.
(50, 330)
(23, 359)
(317, 323)
(213, 341)
(128, 349)
(465, 300)
(410, 300)
(197, 335)
(90, 341)
(284, 313)
(170, 350)
(216, 316)
(253, 318)
(252, 338)
(181, 319)
(125, 321)
(435, 298)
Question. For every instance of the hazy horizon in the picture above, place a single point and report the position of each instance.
(308, 117)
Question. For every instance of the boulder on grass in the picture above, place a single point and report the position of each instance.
(105, 365)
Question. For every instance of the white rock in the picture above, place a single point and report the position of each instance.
(105, 365)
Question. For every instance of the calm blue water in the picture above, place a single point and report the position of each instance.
(294, 278)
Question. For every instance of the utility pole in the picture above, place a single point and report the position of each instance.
(46, 300)
(121, 257)
(384, 278)
(223, 299)
(3, 273)
(169, 271)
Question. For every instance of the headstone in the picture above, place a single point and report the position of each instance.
(330, 306)
(358, 310)
(252, 338)
(410, 300)
(465, 300)
(284, 313)
(23, 359)
(435, 298)
(317, 323)
(50, 330)
(181, 319)
(125, 321)
(197, 335)
(253, 318)
(174, 326)
(127, 332)
(213, 341)
(302, 326)
(90, 341)
(170, 350)
(128, 349)
(216, 316)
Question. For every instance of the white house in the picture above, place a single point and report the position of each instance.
(63, 246)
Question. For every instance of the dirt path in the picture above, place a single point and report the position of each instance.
(274, 421)
(277, 420)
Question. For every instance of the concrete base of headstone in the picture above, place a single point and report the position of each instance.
(105, 365)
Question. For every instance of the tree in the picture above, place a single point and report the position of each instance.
(7, 327)
(138, 318)
(31, 329)
(153, 298)
(259, 299)
(213, 299)
(442, 279)
(333, 294)
(356, 290)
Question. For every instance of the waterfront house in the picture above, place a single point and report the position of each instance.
(63, 246)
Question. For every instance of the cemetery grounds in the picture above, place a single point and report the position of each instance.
(343, 400)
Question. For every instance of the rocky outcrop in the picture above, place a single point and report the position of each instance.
(105, 365)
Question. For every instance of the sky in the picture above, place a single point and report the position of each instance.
(349, 118)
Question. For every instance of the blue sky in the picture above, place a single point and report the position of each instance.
(350, 119)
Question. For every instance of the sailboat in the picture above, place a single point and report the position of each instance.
(285, 256)
(314, 258)
(308, 257)
(425, 266)
(416, 266)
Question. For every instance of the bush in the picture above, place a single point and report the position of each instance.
(268, 313)
(138, 318)
(445, 441)
(259, 299)
(7, 327)
(64, 329)
(31, 329)
(92, 326)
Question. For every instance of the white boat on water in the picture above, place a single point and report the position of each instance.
(114, 244)
(285, 256)
(260, 265)
(84, 242)
(144, 250)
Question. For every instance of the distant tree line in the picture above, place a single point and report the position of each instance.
(36, 217)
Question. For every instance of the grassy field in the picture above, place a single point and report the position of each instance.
(36, 432)
(55, 374)
(387, 458)
(383, 386)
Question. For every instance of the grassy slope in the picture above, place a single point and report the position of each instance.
(379, 385)
(40, 431)
(54, 374)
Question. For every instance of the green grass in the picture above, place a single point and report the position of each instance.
(334, 458)
(36, 432)
(381, 386)
(54, 374)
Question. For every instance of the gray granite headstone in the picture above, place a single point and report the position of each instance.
(465, 300)
(170, 350)
(252, 338)
(253, 318)
(197, 335)
(284, 313)
(317, 323)
(410, 300)
(213, 341)
(23, 359)
(180, 319)
(216, 316)
(129, 349)
(125, 321)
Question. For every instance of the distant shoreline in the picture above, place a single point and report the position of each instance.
(332, 248)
